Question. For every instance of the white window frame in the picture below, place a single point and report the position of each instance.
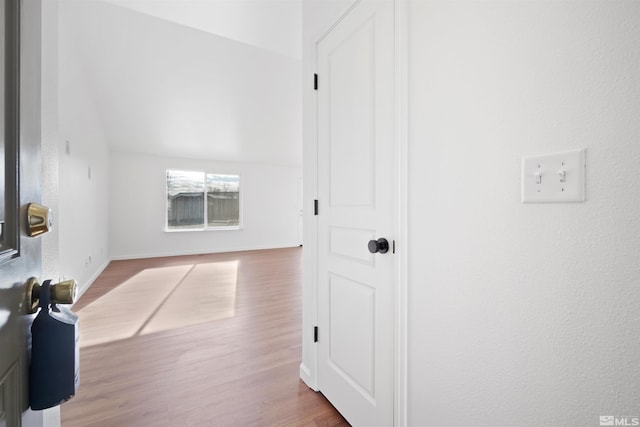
(205, 226)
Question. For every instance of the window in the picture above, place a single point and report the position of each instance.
(194, 196)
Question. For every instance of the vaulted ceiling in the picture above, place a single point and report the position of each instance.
(201, 79)
(274, 25)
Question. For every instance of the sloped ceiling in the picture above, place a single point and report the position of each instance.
(273, 25)
(166, 88)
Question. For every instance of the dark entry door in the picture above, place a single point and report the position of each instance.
(20, 165)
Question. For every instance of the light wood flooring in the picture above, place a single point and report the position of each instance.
(206, 340)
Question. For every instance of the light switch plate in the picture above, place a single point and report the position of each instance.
(558, 177)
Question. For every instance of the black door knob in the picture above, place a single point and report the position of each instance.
(381, 246)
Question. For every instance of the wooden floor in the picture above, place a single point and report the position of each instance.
(146, 360)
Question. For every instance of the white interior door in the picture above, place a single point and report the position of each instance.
(356, 189)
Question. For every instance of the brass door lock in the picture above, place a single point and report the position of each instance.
(64, 292)
(39, 219)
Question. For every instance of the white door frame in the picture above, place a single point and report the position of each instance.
(308, 370)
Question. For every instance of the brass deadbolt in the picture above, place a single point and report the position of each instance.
(39, 219)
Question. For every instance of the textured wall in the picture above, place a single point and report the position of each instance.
(50, 133)
(83, 166)
(523, 315)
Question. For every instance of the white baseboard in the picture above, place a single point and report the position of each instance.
(87, 285)
(305, 376)
(83, 288)
(199, 252)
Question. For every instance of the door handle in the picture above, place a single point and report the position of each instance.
(379, 246)
(64, 292)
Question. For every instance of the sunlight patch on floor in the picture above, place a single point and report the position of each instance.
(160, 299)
(207, 293)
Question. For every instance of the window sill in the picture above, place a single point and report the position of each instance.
(191, 230)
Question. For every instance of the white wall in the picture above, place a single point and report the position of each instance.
(137, 211)
(50, 134)
(83, 199)
(523, 315)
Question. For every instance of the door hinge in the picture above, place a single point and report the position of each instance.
(315, 82)
(315, 207)
(315, 334)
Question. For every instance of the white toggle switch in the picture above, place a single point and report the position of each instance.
(563, 175)
(538, 175)
(567, 186)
